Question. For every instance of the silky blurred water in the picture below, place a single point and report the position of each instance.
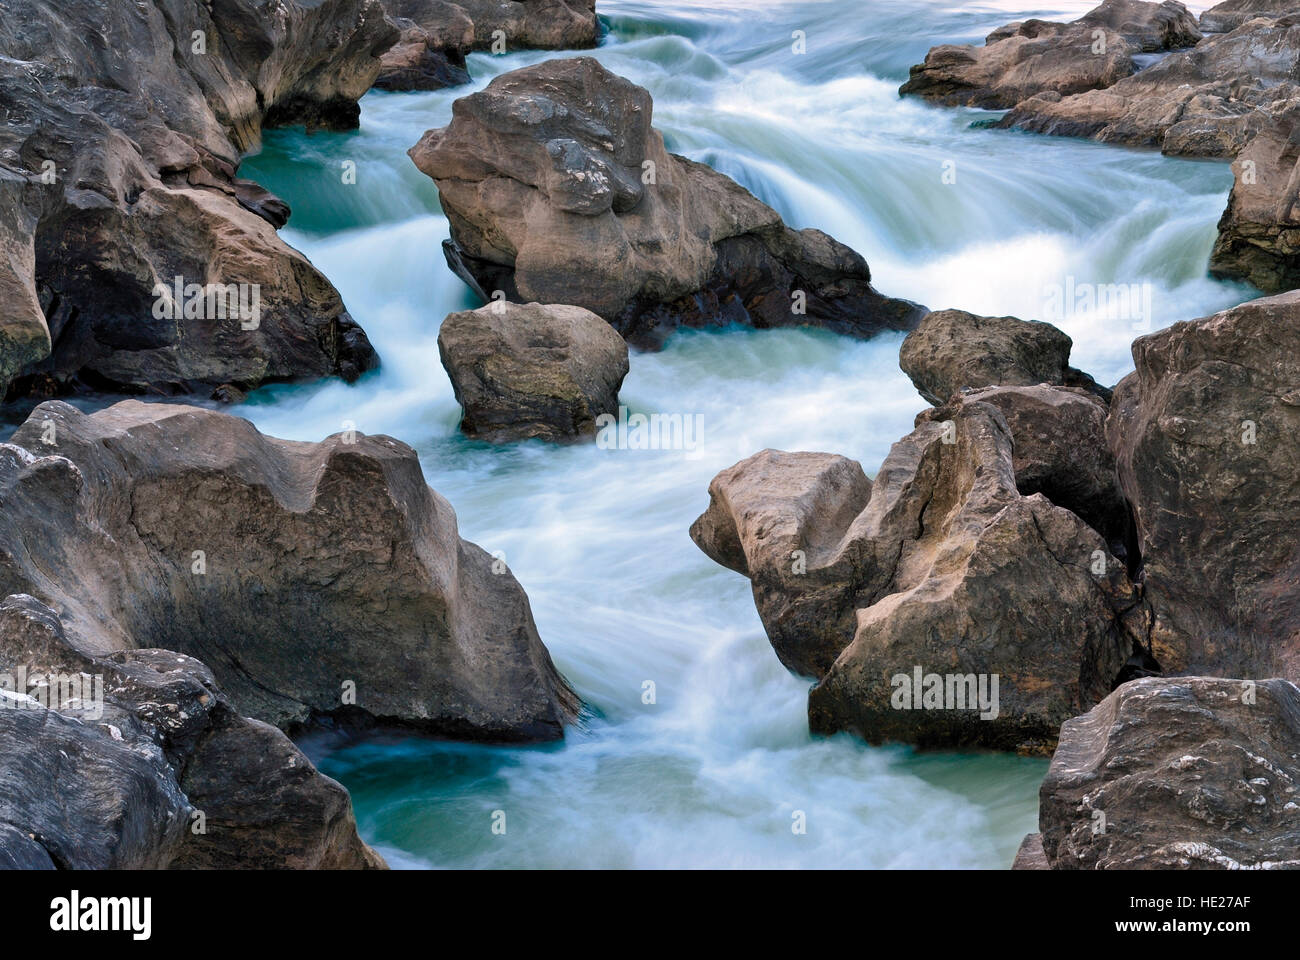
(714, 772)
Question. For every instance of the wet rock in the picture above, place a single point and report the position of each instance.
(1203, 436)
(1259, 233)
(430, 54)
(945, 571)
(951, 350)
(1208, 101)
(1030, 856)
(525, 371)
(1186, 773)
(1034, 57)
(117, 176)
(559, 190)
(137, 760)
(1060, 449)
(319, 581)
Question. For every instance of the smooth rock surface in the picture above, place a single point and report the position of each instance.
(559, 190)
(525, 371)
(318, 581)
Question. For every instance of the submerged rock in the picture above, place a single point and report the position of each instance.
(1021, 60)
(1203, 436)
(137, 760)
(1188, 773)
(940, 569)
(318, 581)
(117, 177)
(524, 371)
(559, 190)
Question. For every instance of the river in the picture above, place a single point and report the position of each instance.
(718, 771)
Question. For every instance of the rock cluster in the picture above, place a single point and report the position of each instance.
(118, 189)
(559, 191)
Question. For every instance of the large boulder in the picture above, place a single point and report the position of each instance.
(1188, 773)
(117, 177)
(559, 190)
(1209, 101)
(1032, 57)
(321, 582)
(951, 350)
(1203, 435)
(524, 371)
(941, 572)
(138, 760)
(428, 56)
(1259, 233)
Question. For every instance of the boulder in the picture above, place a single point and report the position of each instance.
(524, 371)
(117, 177)
(1186, 773)
(1060, 449)
(559, 190)
(779, 519)
(1038, 56)
(1229, 15)
(939, 572)
(1203, 436)
(428, 60)
(137, 760)
(1030, 855)
(951, 350)
(320, 582)
(1259, 233)
(1208, 101)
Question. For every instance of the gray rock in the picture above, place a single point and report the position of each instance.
(319, 581)
(1188, 773)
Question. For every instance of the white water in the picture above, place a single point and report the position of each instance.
(712, 774)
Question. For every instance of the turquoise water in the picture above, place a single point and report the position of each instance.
(714, 773)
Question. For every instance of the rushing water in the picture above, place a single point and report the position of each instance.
(712, 774)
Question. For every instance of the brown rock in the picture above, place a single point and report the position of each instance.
(117, 175)
(559, 190)
(1205, 102)
(1203, 435)
(524, 371)
(1022, 60)
(1259, 233)
(951, 350)
(940, 565)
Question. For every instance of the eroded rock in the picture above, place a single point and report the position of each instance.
(1203, 433)
(117, 176)
(941, 567)
(524, 371)
(137, 760)
(559, 190)
(318, 581)
(1033, 57)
